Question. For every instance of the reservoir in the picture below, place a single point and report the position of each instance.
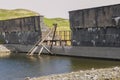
(17, 67)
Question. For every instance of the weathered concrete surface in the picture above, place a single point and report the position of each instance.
(98, 26)
(94, 52)
(20, 37)
(99, 37)
(26, 30)
(103, 16)
(98, 74)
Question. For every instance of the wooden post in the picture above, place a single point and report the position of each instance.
(64, 35)
(55, 27)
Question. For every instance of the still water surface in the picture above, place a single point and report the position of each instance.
(17, 67)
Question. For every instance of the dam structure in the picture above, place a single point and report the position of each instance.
(98, 27)
(96, 31)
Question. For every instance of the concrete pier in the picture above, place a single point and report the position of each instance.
(93, 52)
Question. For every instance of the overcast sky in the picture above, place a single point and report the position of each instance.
(54, 8)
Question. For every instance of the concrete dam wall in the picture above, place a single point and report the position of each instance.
(96, 26)
(24, 30)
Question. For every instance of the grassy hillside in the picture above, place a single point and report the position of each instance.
(63, 24)
(16, 13)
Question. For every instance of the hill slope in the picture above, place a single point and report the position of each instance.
(63, 24)
(16, 13)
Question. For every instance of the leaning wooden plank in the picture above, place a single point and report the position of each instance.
(40, 51)
(45, 37)
(33, 50)
(47, 49)
(39, 43)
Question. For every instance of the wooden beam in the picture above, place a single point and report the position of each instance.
(34, 48)
(40, 51)
(47, 49)
(55, 27)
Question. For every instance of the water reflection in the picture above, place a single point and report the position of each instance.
(83, 64)
(19, 66)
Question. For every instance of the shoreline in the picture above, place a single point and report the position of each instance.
(4, 51)
(93, 74)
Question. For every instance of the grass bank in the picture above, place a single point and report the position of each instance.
(16, 13)
(63, 24)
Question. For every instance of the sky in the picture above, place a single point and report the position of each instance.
(54, 8)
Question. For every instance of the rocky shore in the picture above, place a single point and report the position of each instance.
(93, 74)
(4, 51)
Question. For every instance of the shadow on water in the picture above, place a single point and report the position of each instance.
(15, 67)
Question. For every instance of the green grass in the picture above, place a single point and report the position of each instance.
(60, 21)
(63, 24)
(16, 13)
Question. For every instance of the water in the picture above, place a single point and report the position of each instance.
(17, 67)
